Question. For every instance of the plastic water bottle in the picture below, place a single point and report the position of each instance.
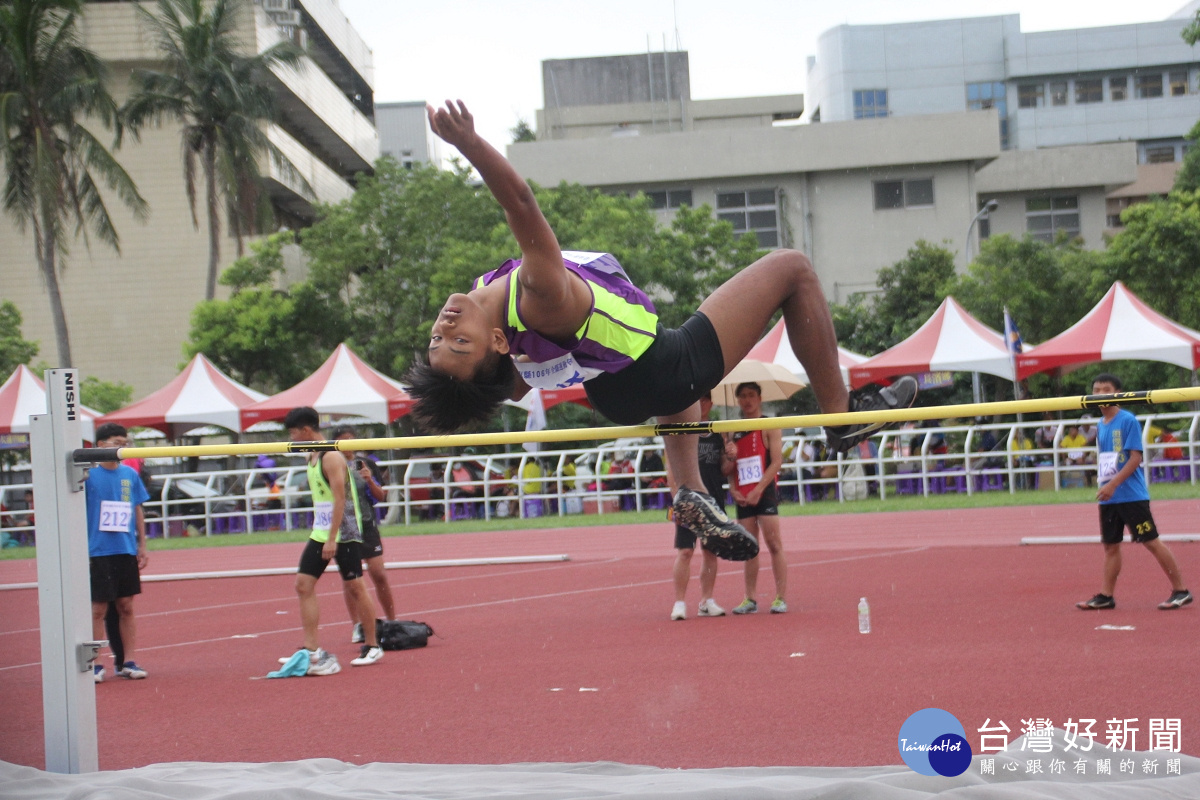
(864, 616)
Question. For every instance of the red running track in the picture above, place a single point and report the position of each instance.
(577, 661)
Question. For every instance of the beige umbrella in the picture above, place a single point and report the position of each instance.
(777, 382)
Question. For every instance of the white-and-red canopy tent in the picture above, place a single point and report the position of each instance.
(950, 341)
(24, 395)
(1119, 327)
(344, 386)
(200, 395)
(774, 348)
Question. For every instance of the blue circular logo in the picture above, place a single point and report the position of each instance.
(934, 742)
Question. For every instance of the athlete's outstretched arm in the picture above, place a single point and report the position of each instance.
(549, 293)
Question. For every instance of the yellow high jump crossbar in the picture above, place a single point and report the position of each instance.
(1076, 403)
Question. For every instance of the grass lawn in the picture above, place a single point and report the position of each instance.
(1160, 491)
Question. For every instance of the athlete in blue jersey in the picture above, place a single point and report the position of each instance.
(116, 530)
(576, 317)
(1125, 501)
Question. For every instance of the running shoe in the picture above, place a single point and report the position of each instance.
(284, 659)
(778, 606)
(132, 671)
(709, 608)
(679, 611)
(747, 606)
(1176, 600)
(368, 655)
(356, 635)
(900, 394)
(324, 664)
(98, 673)
(719, 535)
(1099, 601)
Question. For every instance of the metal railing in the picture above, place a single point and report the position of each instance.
(905, 461)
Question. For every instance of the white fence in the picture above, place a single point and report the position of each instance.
(908, 461)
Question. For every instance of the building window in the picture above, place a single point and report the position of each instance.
(669, 198)
(1031, 95)
(1118, 88)
(917, 193)
(1090, 90)
(870, 103)
(990, 95)
(1160, 154)
(1178, 80)
(1149, 86)
(1058, 93)
(1047, 217)
(755, 211)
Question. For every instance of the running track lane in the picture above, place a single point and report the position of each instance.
(963, 619)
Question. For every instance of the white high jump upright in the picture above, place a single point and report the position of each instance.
(64, 580)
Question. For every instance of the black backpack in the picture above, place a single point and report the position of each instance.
(402, 634)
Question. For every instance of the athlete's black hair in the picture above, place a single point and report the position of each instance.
(108, 430)
(302, 417)
(445, 404)
(1108, 377)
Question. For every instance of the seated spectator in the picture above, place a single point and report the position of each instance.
(1075, 445)
(1087, 426)
(1167, 453)
(1043, 437)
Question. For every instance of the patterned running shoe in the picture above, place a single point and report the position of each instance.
(324, 664)
(1176, 600)
(778, 606)
(1099, 601)
(719, 535)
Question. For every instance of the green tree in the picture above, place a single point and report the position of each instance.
(1187, 179)
(1156, 255)
(522, 131)
(219, 96)
(1046, 287)
(909, 292)
(55, 166)
(104, 396)
(261, 336)
(14, 349)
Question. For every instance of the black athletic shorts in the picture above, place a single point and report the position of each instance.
(767, 506)
(349, 560)
(114, 577)
(372, 545)
(1115, 517)
(675, 372)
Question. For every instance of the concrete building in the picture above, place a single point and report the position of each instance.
(404, 134)
(912, 129)
(129, 313)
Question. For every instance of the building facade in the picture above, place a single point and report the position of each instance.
(404, 134)
(910, 131)
(129, 313)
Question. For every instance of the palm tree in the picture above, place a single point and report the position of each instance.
(49, 86)
(218, 95)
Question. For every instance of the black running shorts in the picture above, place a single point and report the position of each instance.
(1115, 517)
(349, 560)
(114, 577)
(767, 506)
(372, 545)
(677, 370)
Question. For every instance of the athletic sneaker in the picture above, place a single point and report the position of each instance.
(679, 611)
(98, 673)
(369, 655)
(285, 659)
(323, 664)
(778, 606)
(1099, 601)
(356, 636)
(709, 608)
(132, 671)
(1176, 600)
(701, 515)
(747, 606)
(900, 394)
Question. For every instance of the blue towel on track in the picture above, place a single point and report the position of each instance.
(296, 666)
